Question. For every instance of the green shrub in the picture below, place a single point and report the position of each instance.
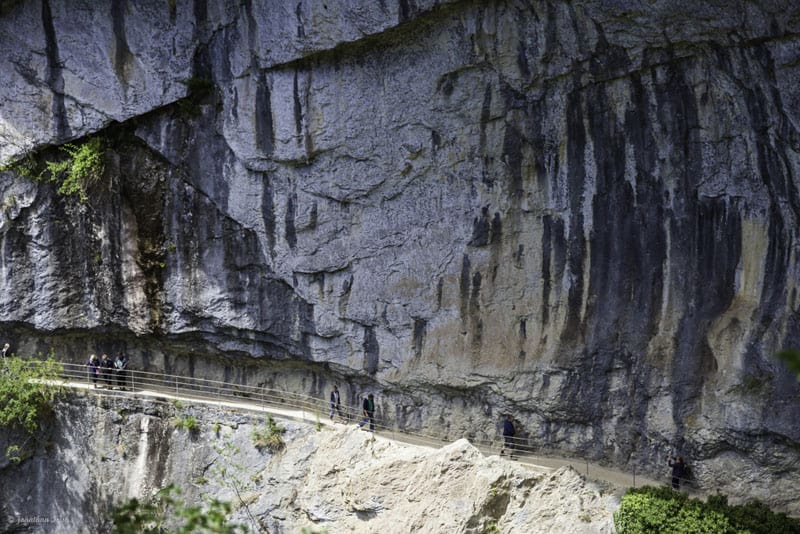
(269, 436)
(650, 509)
(28, 389)
(27, 167)
(79, 166)
(167, 512)
(754, 517)
(187, 422)
(82, 167)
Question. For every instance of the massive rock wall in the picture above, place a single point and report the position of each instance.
(581, 213)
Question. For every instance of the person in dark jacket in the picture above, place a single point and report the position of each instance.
(509, 431)
(369, 412)
(106, 370)
(336, 403)
(678, 471)
(94, 369)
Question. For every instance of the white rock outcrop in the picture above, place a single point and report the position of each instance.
(102, 452)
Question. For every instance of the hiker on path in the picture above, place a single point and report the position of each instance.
(336, 403)
(106, 369)
(121, 371)
(94, 368)
(369, 412)
(509, 431)
(678, 471)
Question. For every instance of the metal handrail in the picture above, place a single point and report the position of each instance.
(220, 390)
(263, 398)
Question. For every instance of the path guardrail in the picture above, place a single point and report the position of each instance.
(312, 409)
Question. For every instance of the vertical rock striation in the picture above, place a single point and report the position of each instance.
(582, 213)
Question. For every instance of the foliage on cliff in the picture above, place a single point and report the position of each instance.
(27, 391)
(651, 509)
(75, 168)
(269, 435)
(167, 512)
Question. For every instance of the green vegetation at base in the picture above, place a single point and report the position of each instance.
(167, 512)
(650, 509)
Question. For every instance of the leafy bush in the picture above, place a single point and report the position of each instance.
(754, 517)
(187, 422)
(28, 389)
(269, 436)
(661, 509)
(78, 167)
(82, 168)
(27, 167)
(166, 512)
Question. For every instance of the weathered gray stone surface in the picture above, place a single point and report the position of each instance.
(102, 452)
(584, 213)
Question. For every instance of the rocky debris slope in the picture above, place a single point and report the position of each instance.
(581, 213)
(102, 451)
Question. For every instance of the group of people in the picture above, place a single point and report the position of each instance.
(368, 407)
(110, 373)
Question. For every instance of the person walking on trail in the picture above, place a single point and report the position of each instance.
(106, 369)
(509, 431)
(5, 349)
(121, 371)
(336, 402)
(369, 412)
(678, 471)
(94, 369)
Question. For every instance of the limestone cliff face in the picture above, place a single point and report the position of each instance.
(102, 452)
(584, 213)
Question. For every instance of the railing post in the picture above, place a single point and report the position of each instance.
(634, 476)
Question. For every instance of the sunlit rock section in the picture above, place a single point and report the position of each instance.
(584, 214)
(103, 452)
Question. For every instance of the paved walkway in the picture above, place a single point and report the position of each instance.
(592, 471)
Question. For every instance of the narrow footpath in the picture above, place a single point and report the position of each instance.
(592, 471)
